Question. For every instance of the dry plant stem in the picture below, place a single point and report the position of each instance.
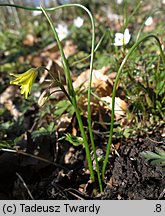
(114, 91)
(35, 157)
(25, 185)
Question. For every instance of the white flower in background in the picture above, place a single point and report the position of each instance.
(78, 22)
(119, 1)
(62, 31)
(36, 23)
(36, 13)
(122, 39)
(149, 21)
(163, 1)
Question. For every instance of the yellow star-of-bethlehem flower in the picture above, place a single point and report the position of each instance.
(25, 80)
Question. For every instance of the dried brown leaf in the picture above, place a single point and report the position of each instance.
(99, 76)
(120, 105)
(69, 48)
(29, 40)
(6, 99)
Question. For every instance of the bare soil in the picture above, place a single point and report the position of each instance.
(128, 175)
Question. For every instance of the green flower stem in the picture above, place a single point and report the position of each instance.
(89, 105)
(89, 87)
(127, 20)
(89, 90)
(21, 7)
(114, 91)
(72, 94)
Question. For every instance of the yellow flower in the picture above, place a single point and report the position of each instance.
(25, 80)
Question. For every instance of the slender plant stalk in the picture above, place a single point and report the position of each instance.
(89, 86)
(72, 94)
(131, 15)
(96, 48)
(114, 91)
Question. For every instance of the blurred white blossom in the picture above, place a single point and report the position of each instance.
(62, 31)
(78, 22)
(122, 39)
(36, 13)
(119, 1)
(149, 21)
